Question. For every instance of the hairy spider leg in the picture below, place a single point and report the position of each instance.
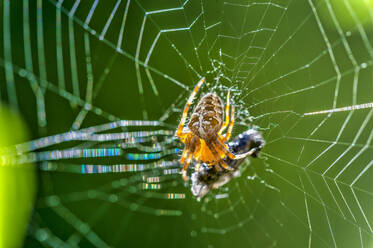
(186, 136)
(218, 167)
(226, 122)
(224, 148)
(225, 165)
(183, 156)
(197, 152)
(194, 150)
(227, 136)
(191, 148)
(219, 154)
(187, 139)
(183, 136)
(179, 131)
(186, 164)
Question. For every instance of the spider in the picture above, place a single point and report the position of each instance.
(203, 138)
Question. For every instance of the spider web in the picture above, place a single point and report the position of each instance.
(78, 70)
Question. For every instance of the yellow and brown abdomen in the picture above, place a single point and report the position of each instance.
(207, 118)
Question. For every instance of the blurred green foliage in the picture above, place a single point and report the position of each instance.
(348, 13)
(17, 184)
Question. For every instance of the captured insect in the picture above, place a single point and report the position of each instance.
(203, 138)
(206, 178)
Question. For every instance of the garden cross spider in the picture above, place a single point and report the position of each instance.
(203, 137)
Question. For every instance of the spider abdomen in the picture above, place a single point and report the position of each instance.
(207, 117)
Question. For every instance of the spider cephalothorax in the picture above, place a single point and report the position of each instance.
(203, 137)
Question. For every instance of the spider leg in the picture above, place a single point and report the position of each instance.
(192, 145)
(186, 165)
(186, 139)
(226, 122)
(218, 167)
(225, 149)
(226, 137)
(219, 155)
(197, 151)
(183, 156)
(184, 136)
(197, 155)
(225, 165)
(189, 102)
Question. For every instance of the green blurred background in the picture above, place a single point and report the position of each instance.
(67, 65)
